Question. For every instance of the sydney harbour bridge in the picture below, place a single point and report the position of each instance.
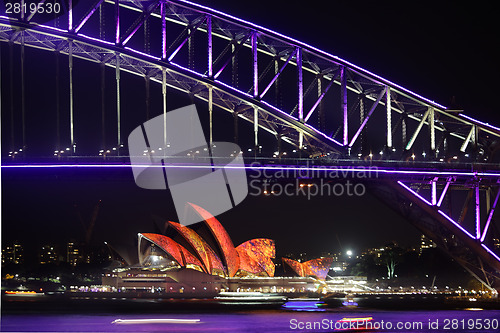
(438, 167)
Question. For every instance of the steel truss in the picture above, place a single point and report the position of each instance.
(456, 212)
(330, 106)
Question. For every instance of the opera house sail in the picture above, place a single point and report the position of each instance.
(203, 258)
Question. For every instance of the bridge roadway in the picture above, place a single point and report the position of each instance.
(393, 169)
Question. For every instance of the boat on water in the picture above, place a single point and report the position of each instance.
(349, 302)
(250, 298)
(304, 304)
(353, 324)
(22, 293)
(155, 321)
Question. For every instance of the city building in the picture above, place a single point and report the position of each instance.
(8, 255)
(48, 255)
(339, 266)
(73, 254)
(426, 243)
(13, 254)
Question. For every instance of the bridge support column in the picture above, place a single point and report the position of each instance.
(277, 83)
(11, 82)
(209, 46)
(235, 123)
(432, 129)
(279, 136)
(256, 128)
(190, 49)
(23, 93)
(164, 99)
(71, 119)
(434, 191)
(361, 121)
(1, 80)
(478, 211)
(118, 110)
(343, 104)
(58, 103)
(210, 114)
(103, 105)
(300, 83)
(403, 129)
(147, 90)
(234, 67)
(117, 21)
(254, 65)
(163, 30)
(321, 111)
(389, 118)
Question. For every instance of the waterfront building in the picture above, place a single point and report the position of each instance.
(205, 260)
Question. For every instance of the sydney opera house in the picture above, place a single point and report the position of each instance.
(203, 259)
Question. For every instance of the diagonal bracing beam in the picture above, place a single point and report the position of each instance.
(490, 216)
(191, 33)
(374, 106)
(138, 23)
(441, 198)
(467, 140)
(233, 54)
(277, 75)
(320, 98)
(417, 131)
(89, 14)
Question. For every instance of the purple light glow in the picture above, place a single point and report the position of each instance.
(307, 46)
(85, 19)
(295, 42)
(478, 213)
(439, 211)
(490, 216)
(304, 124)
(415, 193)
(201, 76)
(441, 198)
(490, 252)
(350, 169)
(456, 224)
(433, 192)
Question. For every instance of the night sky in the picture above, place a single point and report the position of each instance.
(445, 51)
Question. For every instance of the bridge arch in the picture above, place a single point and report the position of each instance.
(266, 58)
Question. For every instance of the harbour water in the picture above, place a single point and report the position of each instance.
(293, 317)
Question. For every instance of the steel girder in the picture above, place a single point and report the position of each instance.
(456, 213)
(222, 41)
